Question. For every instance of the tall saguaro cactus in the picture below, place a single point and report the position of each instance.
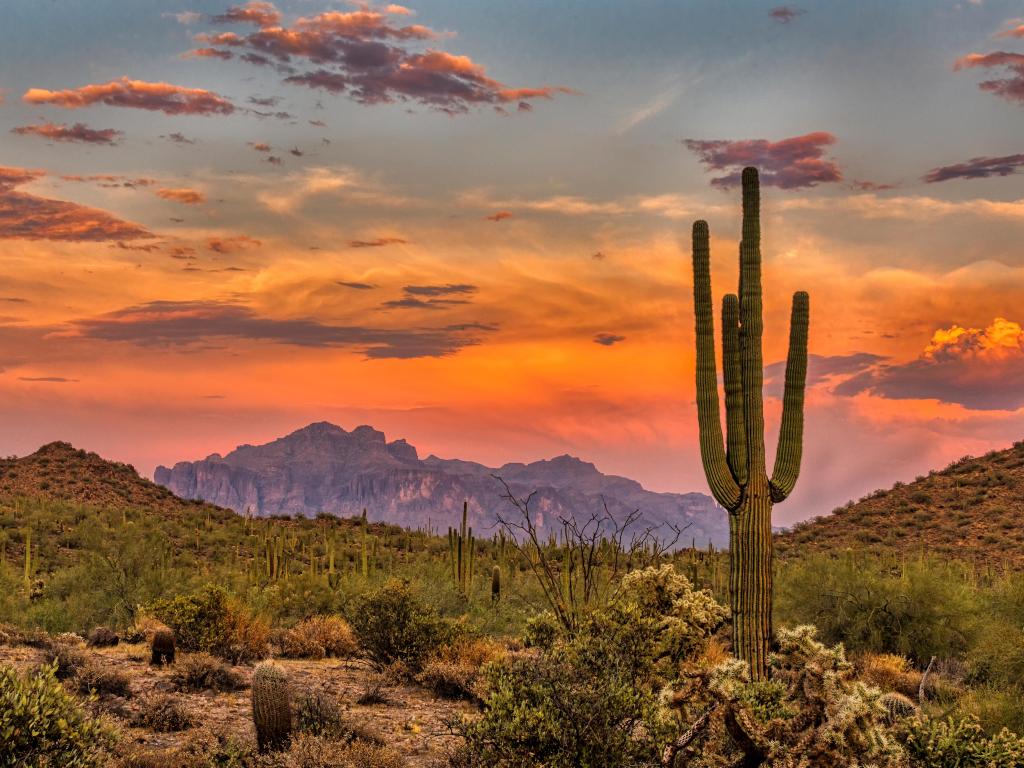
(736, 469)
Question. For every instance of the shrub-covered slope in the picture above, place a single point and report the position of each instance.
(969, 511)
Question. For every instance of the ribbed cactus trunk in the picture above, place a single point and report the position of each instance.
(736, 467)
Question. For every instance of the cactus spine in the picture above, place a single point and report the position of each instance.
(271, 706)
(735, 469)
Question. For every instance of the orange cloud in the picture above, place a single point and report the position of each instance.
(499, 216)
(978, 368)
(182, 195)
(30, 217)
(137, 94)
(79, 132)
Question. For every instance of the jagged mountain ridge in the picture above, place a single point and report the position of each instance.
(324, 468)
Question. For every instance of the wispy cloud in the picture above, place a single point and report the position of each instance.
(136, 94)
(977, 168)
(1010, 88)
(79, 132)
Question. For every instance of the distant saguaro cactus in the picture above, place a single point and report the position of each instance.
(737, 473)
(162, 647)
(271, 706)
(460, 547)
(495, 584)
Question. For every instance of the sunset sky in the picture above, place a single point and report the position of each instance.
(467, 224)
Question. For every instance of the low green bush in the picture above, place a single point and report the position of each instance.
(42, 726)
(209, 620)
(392, 625)
(961, 743)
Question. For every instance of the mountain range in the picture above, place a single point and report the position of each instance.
(324, 468)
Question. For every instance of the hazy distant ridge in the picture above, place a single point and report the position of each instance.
(324, 468)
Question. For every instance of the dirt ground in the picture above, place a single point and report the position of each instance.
(411, 720)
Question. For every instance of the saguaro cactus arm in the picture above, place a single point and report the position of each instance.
(791, 432)
(712, 448)
(735, 430)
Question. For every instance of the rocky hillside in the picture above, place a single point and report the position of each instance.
(972, 510)
(324, 468)
(61, 472)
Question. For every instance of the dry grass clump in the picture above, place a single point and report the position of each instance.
(34, 638)
(889, 672)
(308, 751)
(102, 637)
(67, 657)
(93, 677)
(203, 672)
(453, 670)
(319, 637)
(163, 713)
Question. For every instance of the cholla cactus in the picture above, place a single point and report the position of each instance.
(813, 713)
(688, 616)
(271, 706)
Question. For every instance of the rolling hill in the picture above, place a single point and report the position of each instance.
(972, 510)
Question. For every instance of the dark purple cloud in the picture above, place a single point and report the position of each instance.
(608, 339)
(198, 323)
(977, 168)
(790, 163)
(440, 290)
(369, 55)
(378, 242)
(357, 286)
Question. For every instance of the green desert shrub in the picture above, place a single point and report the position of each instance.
(42, 726)
(392, 625)
(210, 620)
(542, 630)
(534, 704)
(916, 609)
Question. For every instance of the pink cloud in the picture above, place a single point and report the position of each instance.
(1010, 88)
(79, 132)
(366, 55)
(137, 94)
(789, 164)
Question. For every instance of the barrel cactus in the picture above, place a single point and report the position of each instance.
(162, 647)
(735, 468)
(271, 706)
